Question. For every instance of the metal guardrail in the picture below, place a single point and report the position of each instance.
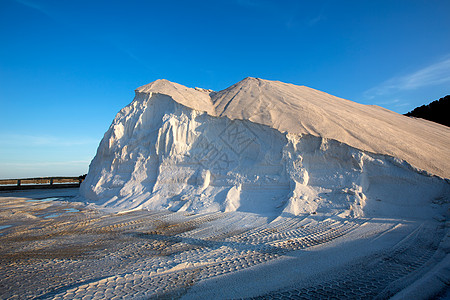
(40, 183)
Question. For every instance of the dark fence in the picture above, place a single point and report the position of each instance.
(40, 183)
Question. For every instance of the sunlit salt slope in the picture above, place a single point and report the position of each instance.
(270, 148)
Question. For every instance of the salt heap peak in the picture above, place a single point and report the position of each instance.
(264, 147)
(302, 110)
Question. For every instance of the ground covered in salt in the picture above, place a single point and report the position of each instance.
(53, 247)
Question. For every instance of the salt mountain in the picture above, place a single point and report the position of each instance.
(270, 148)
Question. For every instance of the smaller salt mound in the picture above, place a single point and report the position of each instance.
(160, 154)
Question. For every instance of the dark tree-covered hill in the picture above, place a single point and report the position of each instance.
(437, 111)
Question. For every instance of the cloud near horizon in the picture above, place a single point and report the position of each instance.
(46, 163)
(45, 140)
(16, 170)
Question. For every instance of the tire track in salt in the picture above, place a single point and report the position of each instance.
(380, 279)
(165, 282)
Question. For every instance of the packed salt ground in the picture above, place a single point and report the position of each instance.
(53, 247)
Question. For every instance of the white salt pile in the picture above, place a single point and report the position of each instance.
(269, 148)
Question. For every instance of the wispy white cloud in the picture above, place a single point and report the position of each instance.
(110, 42)
(35, 6)
(252, 3)
(393, 101)
(299, 16)
(434, 74)
(317, 19)
(402, 104)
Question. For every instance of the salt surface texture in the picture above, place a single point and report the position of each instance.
(269, 148)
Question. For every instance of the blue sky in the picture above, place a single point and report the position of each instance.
(67, 67)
